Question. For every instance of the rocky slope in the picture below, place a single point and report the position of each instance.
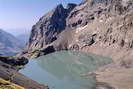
(9, 67)
(102, 27)
(47, 30)
(9, 45)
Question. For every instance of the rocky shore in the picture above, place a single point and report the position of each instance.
(9, 67)
(14, 60)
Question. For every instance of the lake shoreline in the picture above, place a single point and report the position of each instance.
(65, 69)
(9, 67)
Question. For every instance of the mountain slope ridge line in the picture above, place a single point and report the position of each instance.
(105, 26)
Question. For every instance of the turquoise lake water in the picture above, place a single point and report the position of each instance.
(63, 70)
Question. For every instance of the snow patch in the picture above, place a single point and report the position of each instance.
(79, 29)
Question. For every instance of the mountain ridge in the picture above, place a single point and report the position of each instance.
(9, 44)
(89, 16)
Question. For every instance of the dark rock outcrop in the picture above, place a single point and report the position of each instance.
(103, 86)
(14, 61)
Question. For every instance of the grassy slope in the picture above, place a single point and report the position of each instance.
(7, 85)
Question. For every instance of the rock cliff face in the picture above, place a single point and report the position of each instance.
(103, 27)
(49, 26)
(106, 28)
(46, 31)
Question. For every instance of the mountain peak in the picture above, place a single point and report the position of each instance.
(87, 16)
(50, 25)
(59, 6)
(71, 6)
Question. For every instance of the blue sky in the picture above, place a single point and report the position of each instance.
(18, 16)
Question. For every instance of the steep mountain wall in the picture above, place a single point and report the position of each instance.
(103, 27)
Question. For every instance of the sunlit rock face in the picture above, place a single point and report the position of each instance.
(102, 27)
(49, 26)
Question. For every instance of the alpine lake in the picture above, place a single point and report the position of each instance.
(63, 70)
